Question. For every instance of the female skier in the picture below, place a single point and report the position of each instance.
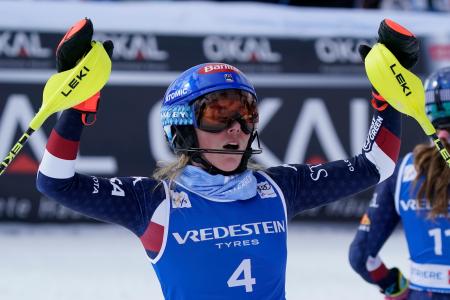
(417, 195)
(213, 226)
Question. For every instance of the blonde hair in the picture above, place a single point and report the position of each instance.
(434, 188)
(168, 172)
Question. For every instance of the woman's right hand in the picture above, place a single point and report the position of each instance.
(73, 46)
(395, 286)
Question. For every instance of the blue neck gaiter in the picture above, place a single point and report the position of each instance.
(218, 187)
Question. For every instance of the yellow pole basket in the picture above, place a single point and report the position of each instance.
(67, 89)
(401, 88)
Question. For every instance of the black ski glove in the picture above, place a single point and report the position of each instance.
(73, 46)
(403, 45)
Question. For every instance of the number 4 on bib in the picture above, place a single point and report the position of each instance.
(247, 280)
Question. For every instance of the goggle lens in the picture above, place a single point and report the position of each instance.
(219, 110)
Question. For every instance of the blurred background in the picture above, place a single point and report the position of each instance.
(314, 104)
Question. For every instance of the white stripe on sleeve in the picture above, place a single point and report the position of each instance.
(55, 167)
(382, 161)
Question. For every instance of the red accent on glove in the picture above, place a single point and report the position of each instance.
(74, 29)
(399, 28)
(89, 107)
(378, 102)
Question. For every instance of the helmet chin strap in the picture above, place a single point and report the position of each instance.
(198, 157)
(190, 147)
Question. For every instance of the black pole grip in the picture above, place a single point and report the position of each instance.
(444, 153)
(15, 149)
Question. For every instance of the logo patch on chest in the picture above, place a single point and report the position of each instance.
(409, 173)
(180, 200)
(265, 190)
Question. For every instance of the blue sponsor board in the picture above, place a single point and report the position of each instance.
(143, 52)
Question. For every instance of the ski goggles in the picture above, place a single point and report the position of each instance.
(217, 111)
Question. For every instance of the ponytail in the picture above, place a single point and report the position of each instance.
(433, 190)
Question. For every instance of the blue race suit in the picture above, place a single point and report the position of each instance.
(428, 239)
(205, 248)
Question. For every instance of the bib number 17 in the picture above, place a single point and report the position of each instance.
(242, 276)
